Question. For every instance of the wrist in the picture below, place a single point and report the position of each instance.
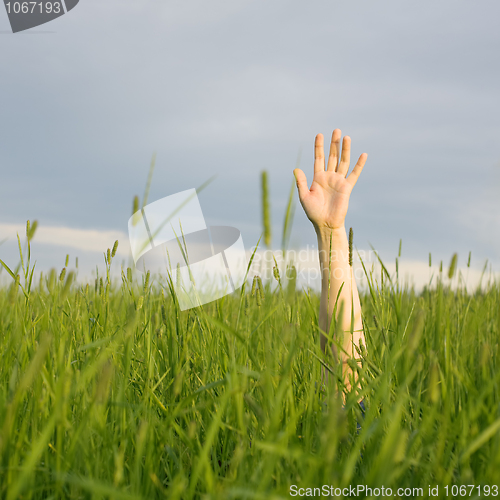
(324, 233)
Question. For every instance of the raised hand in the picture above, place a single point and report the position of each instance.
(326, 202)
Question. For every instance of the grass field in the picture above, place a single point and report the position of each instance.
(110, 391)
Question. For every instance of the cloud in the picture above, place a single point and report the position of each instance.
(84, 240)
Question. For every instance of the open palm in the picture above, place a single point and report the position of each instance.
(326, 202)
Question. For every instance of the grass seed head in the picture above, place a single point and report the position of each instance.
(52, 279)
(291, 273)
(135, 211)
(352, 364)
(254, 284)
(276, 273)
(30, 229)
(247, 304)
(297, 319)
(453, 266)
(115, 248)
(63, 274)
(362, 348)
(266, 212)
(260, 287)
(351, 237)
(67, 284)
(259, 298)
(259, 290)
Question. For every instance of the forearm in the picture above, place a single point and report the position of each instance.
(334, 276)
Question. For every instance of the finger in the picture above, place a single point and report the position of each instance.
(333, 159)
(319, 154)
(346, 156)
(301, 180)
(352, 178)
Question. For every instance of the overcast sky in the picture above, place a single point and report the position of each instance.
(229, 88)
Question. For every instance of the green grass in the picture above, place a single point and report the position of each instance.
(110, 391)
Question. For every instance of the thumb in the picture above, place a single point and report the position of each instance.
(301, 180)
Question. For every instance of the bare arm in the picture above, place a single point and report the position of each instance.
(325, 204)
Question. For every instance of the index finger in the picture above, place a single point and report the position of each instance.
(319, 154)
(352, 178)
